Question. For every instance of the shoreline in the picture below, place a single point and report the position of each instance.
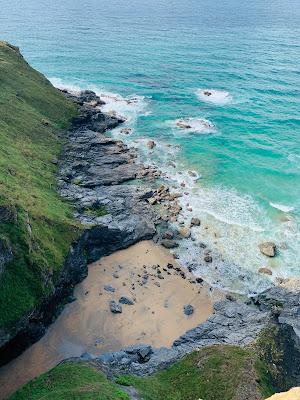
(93, 172)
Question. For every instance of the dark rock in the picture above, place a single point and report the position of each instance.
(109, 288)
(115, 308)
(169, 244)
(126, 300)
(168, 235)
(188, 309)
(6, 254)
(208, 259)
(91, 176)
(195, 222)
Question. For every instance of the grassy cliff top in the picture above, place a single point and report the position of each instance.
(35, 223)
(213, 373)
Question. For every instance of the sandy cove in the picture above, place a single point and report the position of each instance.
(88, 325)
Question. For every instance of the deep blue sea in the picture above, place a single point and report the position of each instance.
(244, 140)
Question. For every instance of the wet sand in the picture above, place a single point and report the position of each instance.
(88, 325)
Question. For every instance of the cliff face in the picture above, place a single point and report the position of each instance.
(52, 148)
(36, 226)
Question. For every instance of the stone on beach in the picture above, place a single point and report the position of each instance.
(115, 308)
(188, 309)
(126, 300)
(109, 288)
(268, 249)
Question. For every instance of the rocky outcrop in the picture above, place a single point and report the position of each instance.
(233, 323)
(285, 307)
(91, 175)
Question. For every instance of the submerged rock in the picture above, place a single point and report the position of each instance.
(151, 144)
(265, 270)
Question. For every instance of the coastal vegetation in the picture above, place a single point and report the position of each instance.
(37, 226)
(213, 373)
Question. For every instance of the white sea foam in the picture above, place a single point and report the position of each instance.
(218, 97)
(126, 107)
(282, 207)
(60, 84)
(232, 224)
(197, 125)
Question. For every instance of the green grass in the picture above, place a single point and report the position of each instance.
(213, 373)
(95, 211)
(71, 382)
(32, 111)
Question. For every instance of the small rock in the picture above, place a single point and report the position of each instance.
(126, 131)
(195, 222)
(188, 309)
(208, 259)
(151, 144)
(265, 270)
(169, 244)
(144, 353)
(126, 300)
(230, 297)
(192, 173)
(185, 232)
(109, 288)
(115, 275)
(168, 235)
(268, 249)
(115, 308)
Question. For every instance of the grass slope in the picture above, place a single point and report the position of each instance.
(214, 373)
(69, 382)
(41, 227)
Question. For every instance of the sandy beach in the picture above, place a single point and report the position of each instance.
(145, 273)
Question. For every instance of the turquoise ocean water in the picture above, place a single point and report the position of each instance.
(165, 53)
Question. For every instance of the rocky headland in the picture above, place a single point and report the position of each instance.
(114, 202)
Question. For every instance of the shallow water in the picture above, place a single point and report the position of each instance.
(169, 53)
